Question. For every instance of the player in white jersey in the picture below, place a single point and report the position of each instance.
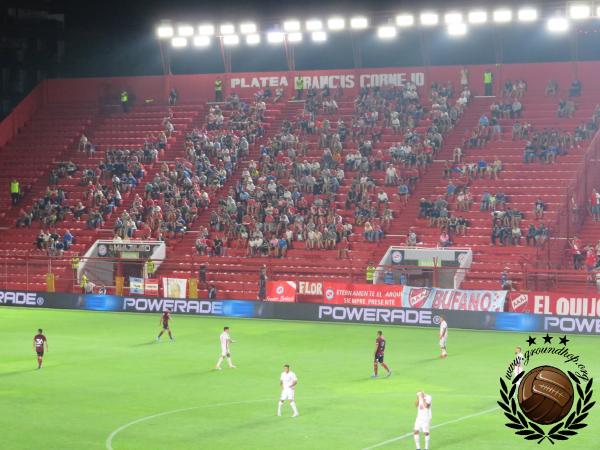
(225, 353)
(423, 420)
(288, 382)
(443, 336)
(518, 362)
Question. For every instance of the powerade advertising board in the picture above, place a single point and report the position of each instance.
(474, 320)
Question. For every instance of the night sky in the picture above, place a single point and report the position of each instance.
(107, 38)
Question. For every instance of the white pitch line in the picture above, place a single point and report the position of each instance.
(404, 436)
(112, 435)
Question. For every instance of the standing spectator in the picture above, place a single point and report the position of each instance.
(370, 273)
(488, 82)
(212, 292)
(15, 191)
(67, 239)
(299, 85)
(262, 283)
(173, 97)
(464, 77)
(125, 100)
(218, 90)
(202, 275)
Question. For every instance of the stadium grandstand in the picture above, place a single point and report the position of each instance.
(428, 159)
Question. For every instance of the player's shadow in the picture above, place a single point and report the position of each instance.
(144, 344)
(17, 372)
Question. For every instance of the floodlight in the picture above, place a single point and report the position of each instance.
(179, 42)
(429, 18)
(527, 14)
(453, 17)
(164, 31)
(386, 32)
(227, 28)
(558, 24)
(231, 39)
(405, 20)
(248, 28)
(359, 23)
(580, 11)
(314, 25)
(201, 41)
(206, 29)
(291, 26)
(319, 36)
(457, 29)
(502, 15)
(336, 23)
(275, 37)
(253, 39)
(294, 37)
(478, 17)
(185, 30)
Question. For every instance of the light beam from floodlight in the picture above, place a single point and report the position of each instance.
(227, 28)
(336, 23)
(477, 17)
(231, 39)
(405, 20)
(275, 37)
(558, 24)
(248, 28)
(527, 15)
(359, 23)
(453, 17)
(294, 37)
(185, 30)
(165, 31)
(429, 18)
(179, 42)
(201, 41)
(206, 29)
(253, 39)
(291, 26)
(386, 32)
(314, 25)
(579, 11)
(457, 29)
(319, 36)
(502, 15)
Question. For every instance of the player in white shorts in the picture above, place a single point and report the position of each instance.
(288, 382)
(423, 420)
(518, 362)
(443, 336)
(225, 341)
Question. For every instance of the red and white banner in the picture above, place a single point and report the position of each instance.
(362, 294)
(151, 287)
(397, 296)
(551, 303)
(281, 291)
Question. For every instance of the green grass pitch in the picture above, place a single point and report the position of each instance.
(104, 371)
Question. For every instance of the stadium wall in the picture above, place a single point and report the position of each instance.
(200, 87)
(471, 320)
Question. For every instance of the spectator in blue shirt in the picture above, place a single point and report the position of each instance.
(484, 121)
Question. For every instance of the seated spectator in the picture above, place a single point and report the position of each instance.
(445, 239)
(538, 208)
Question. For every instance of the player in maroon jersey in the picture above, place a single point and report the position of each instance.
(379, 355)
(38, 346)
(164, 322)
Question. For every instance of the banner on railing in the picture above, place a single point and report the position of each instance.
(550, 303)
(136, 285)
(151, 287)
(281, 291)
(174, 287)
(397, 296)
